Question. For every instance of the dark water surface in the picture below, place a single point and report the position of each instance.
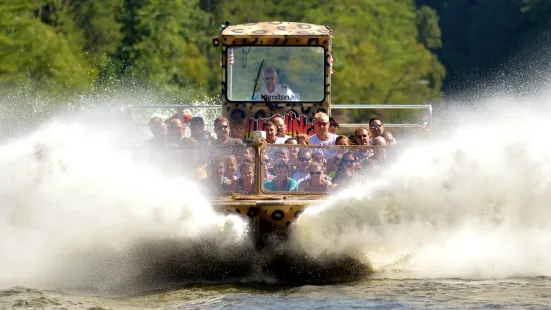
(379, 293)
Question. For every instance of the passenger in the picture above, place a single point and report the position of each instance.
(222, 130)
(282, 154)
(304, 160)
(282, 181)
(322, 135)
(291, 141)
(270, 128)
(246, 183)
(293, 152)
(198, 132)
(333, 126)
(244, 153)
(342, 140)
(175, 133)
(333, 163)
(281, 127)
(361, 135)
(389, 138)
(159, 131)
(230, 165)
(379, 154)
(238, 129)
(272, 91)
(316, 182)
(346, 172)
(376, 128)
(266, 166)
(216, 183)
(318, 158)
(303, 139)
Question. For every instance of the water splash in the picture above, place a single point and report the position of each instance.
(81, 210)
(471, 203)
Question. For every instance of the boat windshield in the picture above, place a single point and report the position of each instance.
(225, 170)
(284, 168)
(317, 169)
(275, 74)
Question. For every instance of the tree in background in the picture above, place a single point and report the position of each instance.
(39, 49)
(382, 48)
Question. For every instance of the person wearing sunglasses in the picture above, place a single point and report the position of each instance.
(222, 130)
(316, 182)
(322, 135)
(346, 172)
(376, 128)
(304, 159)
(272, 91)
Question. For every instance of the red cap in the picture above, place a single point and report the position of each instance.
(187, 118)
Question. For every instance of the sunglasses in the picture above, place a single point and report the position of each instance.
(376, 126)
(348, 161)
(334, 125)
(363, 136)
(304, 158)
(322, 124)
(315, 172)
(269, 78)
(222, 127)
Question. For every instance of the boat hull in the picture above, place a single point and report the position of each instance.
(269, 217)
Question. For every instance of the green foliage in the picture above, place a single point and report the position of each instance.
(428, 29)
(380, 59)
(383, 49)
(36, 56)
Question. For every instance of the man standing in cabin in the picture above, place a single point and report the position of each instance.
(322, 135)
(272, 91)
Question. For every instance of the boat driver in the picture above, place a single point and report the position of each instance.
(272, 91)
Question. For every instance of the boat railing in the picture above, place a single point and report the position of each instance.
(181, 108)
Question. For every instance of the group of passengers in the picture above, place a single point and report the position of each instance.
(304, 169)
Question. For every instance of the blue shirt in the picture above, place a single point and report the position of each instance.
(271, 185)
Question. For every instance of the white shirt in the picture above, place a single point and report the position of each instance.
(280, 93)
(327, 153)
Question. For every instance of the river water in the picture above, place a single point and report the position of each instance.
(460, 220)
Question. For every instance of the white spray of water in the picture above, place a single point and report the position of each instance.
(471, 203)
(80, 215)
(475, 202)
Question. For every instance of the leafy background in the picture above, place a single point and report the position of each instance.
(386, 51)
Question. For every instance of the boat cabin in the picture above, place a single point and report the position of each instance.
(275, 68)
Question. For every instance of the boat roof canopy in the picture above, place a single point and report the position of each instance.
(277, 28)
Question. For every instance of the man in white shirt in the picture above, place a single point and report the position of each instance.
(322, 135)
(272, 91)
(270, 128)
(281, 127)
